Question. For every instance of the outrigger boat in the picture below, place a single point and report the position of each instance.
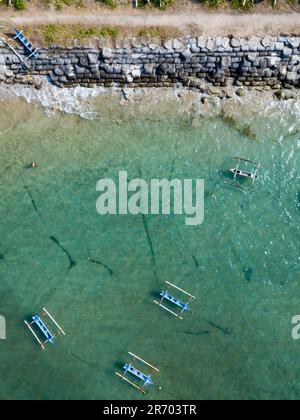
(129, 368)
(26, 44)
(37, 321)
(245, 174)
(240, 173)
(170, 298)
(32, 51)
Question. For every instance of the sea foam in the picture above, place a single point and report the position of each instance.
(76, 100)
(87, 103)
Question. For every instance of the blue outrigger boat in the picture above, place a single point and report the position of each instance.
(146, 379)
(170, 298)
(165, 295)
(32, 51)
(129, 368)
(44, 329)
(38, 322)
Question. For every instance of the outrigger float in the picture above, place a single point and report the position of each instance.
(129, 368)
(37, 321)
(165, 295)
(240, 173)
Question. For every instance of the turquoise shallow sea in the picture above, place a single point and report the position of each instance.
(242, 264)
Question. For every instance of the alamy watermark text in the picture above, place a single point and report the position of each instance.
(157, 197)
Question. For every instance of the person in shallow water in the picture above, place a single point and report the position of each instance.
(32, 165)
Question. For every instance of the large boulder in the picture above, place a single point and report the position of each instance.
(252, 57)
(136, 73)
(195, 49)
(210, 45)
(178, 45)
(287, 52)
(163, 68)
(148, 68)
(202, 42)
(226, 62)
(93, 58)
(294, 42)
(59, 71)
(169, 44)
(136, 43)
(241, 92)
(291, 76)
(107, 53)
(255, 44)
(267, 42)
(235, 43)
(263, 63)
(274, 62)
(186, 55)
(2, 65)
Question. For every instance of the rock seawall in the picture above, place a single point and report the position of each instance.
(270, 62)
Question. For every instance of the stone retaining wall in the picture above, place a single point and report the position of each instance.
(268, 62)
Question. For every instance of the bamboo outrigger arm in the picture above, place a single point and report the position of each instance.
(35, 336)
(16, 53)
(167, 309)
(53, 320)
(131, 383)
(143, 361)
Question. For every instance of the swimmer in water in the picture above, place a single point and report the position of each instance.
(32, 165)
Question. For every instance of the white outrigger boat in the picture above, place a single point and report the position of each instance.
(240, 173)
(245, 174)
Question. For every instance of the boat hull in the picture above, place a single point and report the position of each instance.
(243, 174)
